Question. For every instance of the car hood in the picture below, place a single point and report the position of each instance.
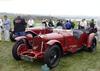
(40, 30)
(51, 36)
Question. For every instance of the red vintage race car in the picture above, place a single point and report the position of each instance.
(50, 44)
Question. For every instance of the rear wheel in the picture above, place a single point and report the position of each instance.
(93, 46)
(18, 48)
(52, 56)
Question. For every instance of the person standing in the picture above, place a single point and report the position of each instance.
(72, 24)
(6, 23)
(1, 27)
(59, 23)
(92, 23)
(19, 26)
(83, 24)
(45, 23)
(50, 24)
(30, 23)
(76, 24)
(92, 27)
(68, 25)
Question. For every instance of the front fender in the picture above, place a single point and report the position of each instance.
(90, 38)
(52, 42)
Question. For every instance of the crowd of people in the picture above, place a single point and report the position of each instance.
(20, 25)
(5, 27)
(70, 24)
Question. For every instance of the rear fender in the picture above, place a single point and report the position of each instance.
(90, 38)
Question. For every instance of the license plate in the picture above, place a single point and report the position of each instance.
(27, 58)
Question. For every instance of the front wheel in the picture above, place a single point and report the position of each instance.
(52, 56)
(93, 46)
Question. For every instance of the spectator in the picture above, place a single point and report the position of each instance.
(92, 27)
(6, 23)
(1, 27)
(76, 24)
(45, 22)
(92, 23)
(50, 24)
(72, 24)
(68, 25)
(83, 24)
(59, 23)
(19, 26)
(30, 22)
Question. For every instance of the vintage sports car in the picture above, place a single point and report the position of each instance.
(50, 44)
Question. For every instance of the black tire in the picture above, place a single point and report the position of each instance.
(12, 37)
(15, 49)
(52, 56)
(93, 46)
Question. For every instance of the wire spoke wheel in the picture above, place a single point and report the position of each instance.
(52, 56)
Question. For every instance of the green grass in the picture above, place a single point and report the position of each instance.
(81, 61)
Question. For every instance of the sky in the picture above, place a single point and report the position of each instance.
(52, 7)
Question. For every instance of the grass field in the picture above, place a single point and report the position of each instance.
(81, 61)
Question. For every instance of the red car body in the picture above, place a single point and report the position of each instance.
(40, 30)
(39, 43)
